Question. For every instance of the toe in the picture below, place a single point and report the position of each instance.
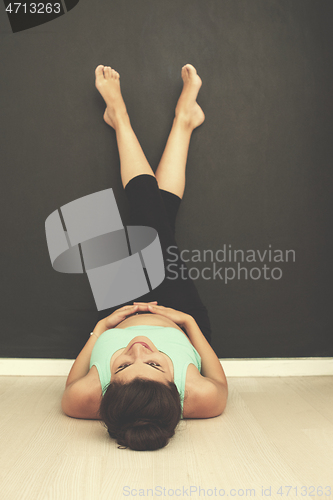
(107, 72)
(114, 74)
(191, 69)
(99, 71)
(184, 72)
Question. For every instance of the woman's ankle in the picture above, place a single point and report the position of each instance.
(121, 120)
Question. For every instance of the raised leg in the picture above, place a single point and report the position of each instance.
(146, 203)
(133, 161)
(170, 173)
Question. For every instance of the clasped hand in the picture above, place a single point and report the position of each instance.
(124, 312)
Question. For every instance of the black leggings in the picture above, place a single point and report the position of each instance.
(154, 207)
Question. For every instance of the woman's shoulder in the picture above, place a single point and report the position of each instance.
(204, 398)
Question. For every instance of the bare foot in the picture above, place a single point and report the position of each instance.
(187, 107)
(108, 85)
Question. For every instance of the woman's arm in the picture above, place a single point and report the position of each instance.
(210, 363)
(210, 392)
(80, 367)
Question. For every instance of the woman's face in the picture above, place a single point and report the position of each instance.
(141, 358)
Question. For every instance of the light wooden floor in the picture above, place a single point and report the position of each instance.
(275, 432)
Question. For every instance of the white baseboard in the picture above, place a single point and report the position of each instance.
(263, 367)
(278, 367)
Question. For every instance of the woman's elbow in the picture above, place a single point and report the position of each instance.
(221, 400)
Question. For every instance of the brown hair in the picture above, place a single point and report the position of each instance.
(141, 414)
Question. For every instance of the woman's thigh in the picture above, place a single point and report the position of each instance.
(150, 206)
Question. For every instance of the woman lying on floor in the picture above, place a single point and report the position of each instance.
(147, 365)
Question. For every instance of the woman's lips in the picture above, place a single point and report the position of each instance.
(142, 343)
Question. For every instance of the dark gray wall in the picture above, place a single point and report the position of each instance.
(259, 169)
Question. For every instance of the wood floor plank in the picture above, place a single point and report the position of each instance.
(283, 414)
(317, 391)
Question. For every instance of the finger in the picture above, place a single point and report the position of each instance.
(152, 302)
(158, 310)
(130, 311)
(145, 303)
(126, 309)
(152, 307)
(143, 307)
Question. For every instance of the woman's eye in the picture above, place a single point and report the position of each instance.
(152, 363)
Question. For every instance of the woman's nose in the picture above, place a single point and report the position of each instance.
(138, 349)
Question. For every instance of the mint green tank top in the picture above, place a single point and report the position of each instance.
(170, 341)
